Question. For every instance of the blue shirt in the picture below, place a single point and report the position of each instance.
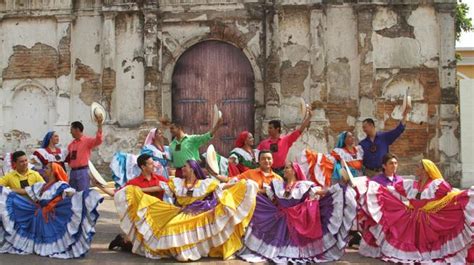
(373, 156)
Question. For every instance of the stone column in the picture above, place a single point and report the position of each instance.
(60, 103)
(317, 57)
(128, 95)
(152, 99)
(448, 141)
(108, 40)
(367, 97)
(272, 67)
(108, 61)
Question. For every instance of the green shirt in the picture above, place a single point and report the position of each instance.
(188, 148)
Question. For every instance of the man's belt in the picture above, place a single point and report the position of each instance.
(79, 168)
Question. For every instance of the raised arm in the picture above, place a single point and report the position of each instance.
(108, 191)
(97, 140)
(307, 121)
(405, 115)
(392, 135)
(200, 139)
(214, 130)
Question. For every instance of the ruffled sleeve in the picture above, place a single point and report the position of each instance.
(68, 192)
(298, 192)
(360, 152)
(313, 192)
(269, 191)
(171, 185)
(436, 189)
(166, 188)
(209, 185)
(203, 187)
(235, 156)
(34, 191)
(336, 153)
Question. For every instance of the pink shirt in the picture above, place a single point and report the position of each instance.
(283, 143)
(79, 150)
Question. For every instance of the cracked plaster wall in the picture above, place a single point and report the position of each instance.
(349, 61)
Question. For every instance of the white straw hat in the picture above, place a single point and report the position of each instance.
(211, 159)
(217, 114)
(97, 110)
(95, 174)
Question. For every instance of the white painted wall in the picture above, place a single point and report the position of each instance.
(466, 91)
(129, 92)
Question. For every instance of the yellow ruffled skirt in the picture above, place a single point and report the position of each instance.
(159, 230)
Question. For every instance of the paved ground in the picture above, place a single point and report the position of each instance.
(107, 228)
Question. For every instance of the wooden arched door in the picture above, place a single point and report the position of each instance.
(208, 73)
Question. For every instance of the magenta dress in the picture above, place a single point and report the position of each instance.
(404, 228)
(295, 225)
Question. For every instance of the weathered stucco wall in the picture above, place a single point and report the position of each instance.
(349, 60)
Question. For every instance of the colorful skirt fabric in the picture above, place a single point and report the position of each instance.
(65, 232)
(272, 235)
(403, 230)
(124, 168)
(318, 167)
(211, 227)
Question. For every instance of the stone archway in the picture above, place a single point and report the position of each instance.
(30, 108)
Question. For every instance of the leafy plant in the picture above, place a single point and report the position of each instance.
(463, 22)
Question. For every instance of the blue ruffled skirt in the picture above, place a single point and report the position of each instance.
(66, 232)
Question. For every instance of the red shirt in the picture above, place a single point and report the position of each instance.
(154, 181)
(283, 146)
(79, 150)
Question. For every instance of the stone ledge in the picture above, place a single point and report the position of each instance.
(34, 8)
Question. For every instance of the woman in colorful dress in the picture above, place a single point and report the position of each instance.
(49, 152)
(208, 218)
(423, 220)
(53, 221)
(243, 157)
(347, 150)
(154, 146)
(124, 165)
(298, 221)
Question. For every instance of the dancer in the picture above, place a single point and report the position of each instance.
(298, 221)
(79, 152)
(423, 220)
(185, 147)
(349, 152)
(377, 144)
(124, 165)
(263, 175)
(20, 176)
(49, 152)
(154, 146)
(149, 182)
(209, 218)
(243, 157)
(54, 221)
(279, 144)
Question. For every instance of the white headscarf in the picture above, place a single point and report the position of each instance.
(150, 137)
